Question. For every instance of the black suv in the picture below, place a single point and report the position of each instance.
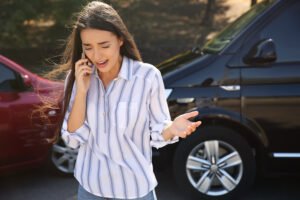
(246, 85)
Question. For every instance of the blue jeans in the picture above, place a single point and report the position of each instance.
(85, 195)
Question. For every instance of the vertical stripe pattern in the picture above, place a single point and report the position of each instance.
(122, 123)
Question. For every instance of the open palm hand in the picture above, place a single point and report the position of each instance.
(182, 126)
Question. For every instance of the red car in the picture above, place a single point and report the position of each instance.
(23, 134)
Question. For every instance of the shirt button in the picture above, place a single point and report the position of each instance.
(103, 113)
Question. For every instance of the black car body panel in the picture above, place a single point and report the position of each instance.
(208, 77)
(248, 82)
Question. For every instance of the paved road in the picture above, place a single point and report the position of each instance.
(45, 185)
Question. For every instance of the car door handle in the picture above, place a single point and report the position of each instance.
(52, 113)
(231, 87)
(185, 100)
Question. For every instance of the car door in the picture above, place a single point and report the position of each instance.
(271, 92)
(20, 139)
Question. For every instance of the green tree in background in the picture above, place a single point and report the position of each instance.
(30, 22)
(32, 32)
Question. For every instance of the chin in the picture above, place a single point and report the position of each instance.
(103, 70)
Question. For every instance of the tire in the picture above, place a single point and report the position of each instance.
(202, 167)
(63, 158)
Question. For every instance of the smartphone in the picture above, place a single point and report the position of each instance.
(83, 56)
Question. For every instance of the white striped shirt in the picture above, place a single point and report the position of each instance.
(115, 155)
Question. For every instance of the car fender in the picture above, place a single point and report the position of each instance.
(232, 119)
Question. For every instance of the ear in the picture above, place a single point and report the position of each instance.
(121, 41)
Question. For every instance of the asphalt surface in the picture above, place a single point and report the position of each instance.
(45, 184)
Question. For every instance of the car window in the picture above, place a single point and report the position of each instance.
(221, 40)
(284, 29)
(8, 79)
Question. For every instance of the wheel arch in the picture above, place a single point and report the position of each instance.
(248, 129)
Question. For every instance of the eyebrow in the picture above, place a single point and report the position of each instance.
(87, 44)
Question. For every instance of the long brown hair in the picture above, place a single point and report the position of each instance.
(95, 15)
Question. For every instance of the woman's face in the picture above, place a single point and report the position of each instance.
(103, 49)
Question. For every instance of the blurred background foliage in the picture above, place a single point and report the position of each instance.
(32, 23)
(33, 32)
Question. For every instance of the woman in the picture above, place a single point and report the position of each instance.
(113, 103)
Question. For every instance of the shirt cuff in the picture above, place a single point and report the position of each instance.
(74, 139)
(157, 139)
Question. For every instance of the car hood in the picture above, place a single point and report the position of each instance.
(177, 61)
(177, 69)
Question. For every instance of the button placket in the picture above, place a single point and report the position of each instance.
(106, 104)
(103, 95)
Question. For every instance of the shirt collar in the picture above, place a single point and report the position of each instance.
(125, 71)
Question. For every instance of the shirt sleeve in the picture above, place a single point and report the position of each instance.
(80, 136)
(159, 113)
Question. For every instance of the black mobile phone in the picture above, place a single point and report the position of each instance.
(83, 56)
(88, 63)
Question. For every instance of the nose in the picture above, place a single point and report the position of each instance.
(97, 55)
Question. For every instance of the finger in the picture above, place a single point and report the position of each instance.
(198, 123)
(79, 69)
(90, 64)
(84, 72)
(83, 68)
(191, 128)
(190, 114)
(195, 125)
(189, 133)
(183, 134)
(80, 62)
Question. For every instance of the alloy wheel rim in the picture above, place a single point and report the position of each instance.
(214, 168)
(64, 157)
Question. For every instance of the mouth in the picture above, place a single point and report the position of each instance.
(101, 64)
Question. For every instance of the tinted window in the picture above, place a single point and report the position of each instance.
(284, 29)
(8, 79)
(230, 32)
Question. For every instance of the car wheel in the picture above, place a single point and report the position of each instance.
(214, 163)
(63, 157)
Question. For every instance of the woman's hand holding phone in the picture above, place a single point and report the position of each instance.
(83, 73)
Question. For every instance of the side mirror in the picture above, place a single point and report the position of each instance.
(26, 81)
(263, 52)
